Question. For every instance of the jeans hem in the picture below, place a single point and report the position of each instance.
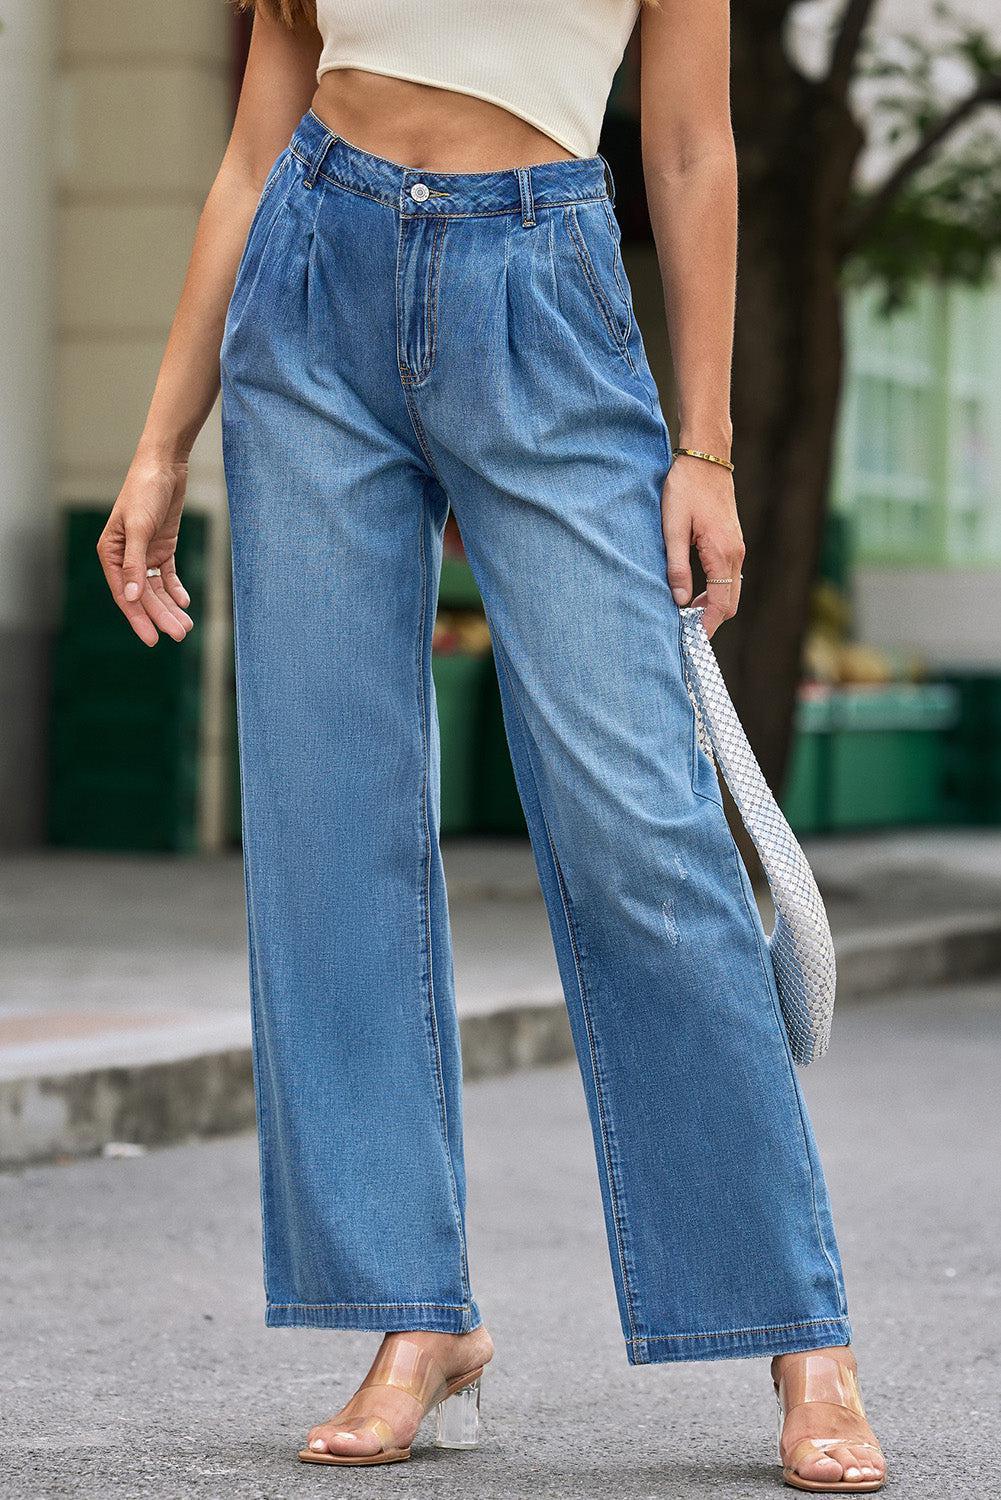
(380, 1317)
(739, 1343)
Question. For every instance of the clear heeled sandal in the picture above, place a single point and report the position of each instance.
(411, 1369)
(822, 1378)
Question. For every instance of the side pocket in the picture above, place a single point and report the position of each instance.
(266, 215)
(618, 269)
(276, 169)
(601, 266)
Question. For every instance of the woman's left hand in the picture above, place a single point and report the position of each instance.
(698, 505)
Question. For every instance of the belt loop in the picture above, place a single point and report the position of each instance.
(317, 159)
(609, 181)
(527, 198)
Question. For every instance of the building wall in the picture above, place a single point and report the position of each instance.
(142, 113)
(26, 407)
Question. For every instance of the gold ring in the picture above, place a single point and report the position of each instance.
(152, 572)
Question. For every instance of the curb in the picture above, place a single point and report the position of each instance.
(202, 1084)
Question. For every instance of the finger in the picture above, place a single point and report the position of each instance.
(133, 612)
(158, 587)
(678, 541)
(175, 588)
(722, 587)
(134, 565)
(717, 608)
(139, 620)
(164, 614)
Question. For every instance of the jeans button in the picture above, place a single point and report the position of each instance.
(420, 192)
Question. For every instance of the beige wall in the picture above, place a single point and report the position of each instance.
(143, 111)
(26, 397)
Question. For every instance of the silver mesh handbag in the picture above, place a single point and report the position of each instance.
(800, 945)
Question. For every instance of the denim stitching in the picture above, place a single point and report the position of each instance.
(615, 1191)
(254, 977)
(726, 1333)
(430, 1011)
(616, 266)
(268, 233)
(277, 168)
(769, 977)
(445, 1306)
(576, 236)
(434, 284)
(420, 434)
(417, 377)
(485, 213)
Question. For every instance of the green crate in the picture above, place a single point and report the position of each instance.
(804, 797)
(124, 719)
(903, 705)
(97, 808)
(979, 699)
(459, 689)
(499, 805)
(888, 777)
(457, 589)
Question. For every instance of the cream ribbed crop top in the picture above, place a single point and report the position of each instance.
(551, 62)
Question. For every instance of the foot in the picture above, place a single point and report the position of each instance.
(821, 1401)
(360, 1429)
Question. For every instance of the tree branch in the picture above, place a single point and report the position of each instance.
(854, 20)
(880, 199)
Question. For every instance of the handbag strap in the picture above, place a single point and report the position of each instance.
(722, 735)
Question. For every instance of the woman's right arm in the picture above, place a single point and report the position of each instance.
(142, 529)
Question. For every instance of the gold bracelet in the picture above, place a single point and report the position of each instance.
(710, 458)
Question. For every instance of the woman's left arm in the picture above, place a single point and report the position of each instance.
(690, 168)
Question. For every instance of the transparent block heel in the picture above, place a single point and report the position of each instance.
(457, 1418)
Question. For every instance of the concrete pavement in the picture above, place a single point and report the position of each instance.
(134, 1363)
(123, 989)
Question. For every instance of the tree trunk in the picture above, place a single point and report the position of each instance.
(796, 155)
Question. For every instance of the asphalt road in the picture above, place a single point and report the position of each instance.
(134, 1362)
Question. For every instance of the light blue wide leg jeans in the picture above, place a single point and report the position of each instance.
(399, 342)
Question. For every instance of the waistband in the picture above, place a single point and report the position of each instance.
(417, 192)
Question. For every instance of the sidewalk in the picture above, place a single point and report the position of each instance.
(123, 990)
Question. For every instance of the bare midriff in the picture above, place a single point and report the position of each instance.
(436, 129)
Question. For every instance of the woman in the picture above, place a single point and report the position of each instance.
(430, 310)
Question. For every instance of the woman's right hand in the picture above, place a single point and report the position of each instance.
(141, 533)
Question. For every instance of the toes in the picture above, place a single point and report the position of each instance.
(338, 1440)
(818, 1466)
(851, 1469)
(868, 1459)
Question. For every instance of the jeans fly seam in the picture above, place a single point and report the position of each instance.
(434, 282)
(431, 1010)
(421, 435)
(769, 977)
(615, 1190)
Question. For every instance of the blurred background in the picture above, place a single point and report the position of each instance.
(870, 476)
(866, 659)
